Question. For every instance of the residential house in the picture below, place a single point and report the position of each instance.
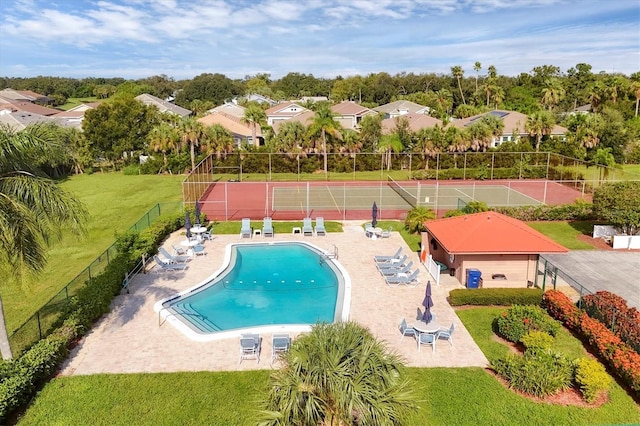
(416, 121)
(73, 117)
(19, 120)
(402, 107)
(283, 111)
(230, 108)
(505, 250)
(254, 97)
(22, 105)
(25, 96)
(242, 132)
(514, 126)
(349, 114)
(162, 105)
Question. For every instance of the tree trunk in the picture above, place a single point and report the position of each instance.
(5, 348)
(253, 135)
(637, 102)
(193, 157)
(461, 94)
(324, 150)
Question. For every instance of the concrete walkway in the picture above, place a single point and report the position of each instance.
(130, 339)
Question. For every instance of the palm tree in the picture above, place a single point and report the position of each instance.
(497, 96)
(387, 145)
(324, 124)
(477, 67)
(539, 124)
(635, 91)
(163, 138)
(339, 374)
(290, 139)
(458, 73)
(604, 159)
(33, 208)
(553, 93)
(191, 132)
(217, 140)
(254, 116)
(416, 217)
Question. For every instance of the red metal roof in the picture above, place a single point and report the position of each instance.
(490, 232)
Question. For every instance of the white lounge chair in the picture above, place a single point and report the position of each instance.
(250, 347)
(245, 231)
(307, 228)
(320, 226)
(171, 258)
(389, 272)
(166, 266)
(280, 343)
(267, 227)
(406, 279)
(388, 258)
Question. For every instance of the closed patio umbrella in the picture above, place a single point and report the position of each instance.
(427, 303)
(374, 215)
(187, 224)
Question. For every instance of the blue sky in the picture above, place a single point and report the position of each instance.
(326, 38)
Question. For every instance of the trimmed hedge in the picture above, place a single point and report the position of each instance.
(580, 210)
(623, 360)
(611, 309)
(495, 296)
(21, 378)
(518, 320)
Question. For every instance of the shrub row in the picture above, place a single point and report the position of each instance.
(22, 377)
(609, 347)
(612, 309)
(495, 296)
(577, 211)
(519, 320)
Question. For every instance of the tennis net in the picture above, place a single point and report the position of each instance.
(407, 196)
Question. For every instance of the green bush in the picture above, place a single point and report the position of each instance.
(518, 320)
(495, 296)
(580, 210)
(591, 378)
(538, 374)
(537, 341)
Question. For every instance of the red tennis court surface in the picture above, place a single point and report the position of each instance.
(353, 200)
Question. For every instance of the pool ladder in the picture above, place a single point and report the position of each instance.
(331, 254)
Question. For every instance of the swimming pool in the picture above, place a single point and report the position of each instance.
(262, 287)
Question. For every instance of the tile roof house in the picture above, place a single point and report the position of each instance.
(241, 132)
(22, 105)
(25, 95)
(254, 97)
(349, 114)
(19, 120)
(283, 111)
(514, 124)
(402, 107)
(73, 117)
(162, 105)
(504, 249)
(230, 108)
(416, 122)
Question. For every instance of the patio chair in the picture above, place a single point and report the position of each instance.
(380, 259)
(245, 230)
(426, 339)
(393, 263)
(178, 250)
(320, 227)
(199, 250)
(208, 235)
(447, 334)
(250, 347)
(367, 229)
(267, 227)
(307, 229)
(171, 258)
(406, 279)
(280, 343)
(386, 233)
(389, 272)
(166, 266)
(406, 329)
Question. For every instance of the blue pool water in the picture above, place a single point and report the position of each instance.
(264, 284)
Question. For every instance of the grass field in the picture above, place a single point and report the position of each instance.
(460, 396)
(115, 202)
(565, 233)
(73, 102)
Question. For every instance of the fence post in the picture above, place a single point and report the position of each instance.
(39, 325)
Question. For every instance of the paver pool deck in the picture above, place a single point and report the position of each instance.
(130, 338)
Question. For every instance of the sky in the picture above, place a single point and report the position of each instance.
(327, 38)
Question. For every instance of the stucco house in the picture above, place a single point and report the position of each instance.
(416, 122)
(398, 108)
(229, 108)
(514, 125)
(283, 111)
(504, 249)
(241, 132)
(349, 114)
(162, 105)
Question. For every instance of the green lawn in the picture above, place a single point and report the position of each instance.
(565, 233)
(73, 102)
(115, 202)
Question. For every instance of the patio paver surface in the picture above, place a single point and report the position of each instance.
(130, 339)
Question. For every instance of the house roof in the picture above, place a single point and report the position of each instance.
(229, 122)
(21, 95)
(229, 108)
(77, 111)
(281, 110)
(20, 119)
(490, 232)
(304, 118)
(514, 122)
(400, 107)
(349, 108)
(163, 105)
(26, 106)
(416, 122)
